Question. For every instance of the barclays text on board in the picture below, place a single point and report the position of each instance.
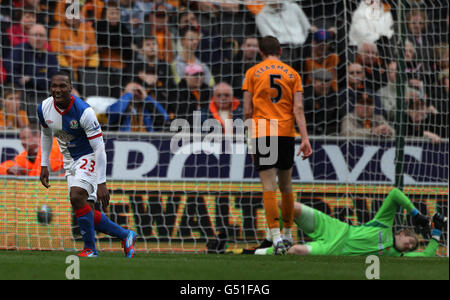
(148, 157)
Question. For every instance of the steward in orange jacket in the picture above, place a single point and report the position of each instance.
(28, 163)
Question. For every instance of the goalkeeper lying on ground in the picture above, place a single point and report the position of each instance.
(333, 237)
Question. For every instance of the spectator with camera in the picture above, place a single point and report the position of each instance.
(136, 111)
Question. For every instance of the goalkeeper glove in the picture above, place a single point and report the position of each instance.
(421, 223)
(438, 224)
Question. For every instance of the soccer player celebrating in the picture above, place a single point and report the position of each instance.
(74, 124)
(333, 237)
(273, 95)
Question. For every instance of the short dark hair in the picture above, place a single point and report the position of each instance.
(147, 37)
(20, 11)
(269, 45)
(185, 29)
(181, 14)
(63, 73)
(112, 4)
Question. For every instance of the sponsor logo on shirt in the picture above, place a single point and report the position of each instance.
(63, 136)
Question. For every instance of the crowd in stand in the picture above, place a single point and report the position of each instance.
(161, 60)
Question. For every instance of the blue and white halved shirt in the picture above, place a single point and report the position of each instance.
(73, 127)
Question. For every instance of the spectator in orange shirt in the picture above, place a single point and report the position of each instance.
(159, 28)
(12, 116)
(224, 106)
(321, 58)
(90, 11)
(28, 162)
(75, 44)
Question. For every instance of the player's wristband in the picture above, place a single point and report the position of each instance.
(436, 234)
(414, 212)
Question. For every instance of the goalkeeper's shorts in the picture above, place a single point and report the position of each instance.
(280, 155)
(329, 235)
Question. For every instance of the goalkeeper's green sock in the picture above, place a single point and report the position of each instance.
(264, 251)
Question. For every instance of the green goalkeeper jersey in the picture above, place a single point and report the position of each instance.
(333, 237)
(376, 237)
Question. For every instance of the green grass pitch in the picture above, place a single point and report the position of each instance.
(111, 265)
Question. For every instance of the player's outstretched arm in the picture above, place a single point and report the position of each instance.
(305, 146)
(46, 147)
(395, 199)
(439, 223)
(248, 105)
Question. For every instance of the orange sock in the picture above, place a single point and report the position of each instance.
(271, 209)
(287, 209)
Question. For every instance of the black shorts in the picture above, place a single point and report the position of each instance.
(279, 156)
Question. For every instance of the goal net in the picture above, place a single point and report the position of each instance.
(375, 79)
